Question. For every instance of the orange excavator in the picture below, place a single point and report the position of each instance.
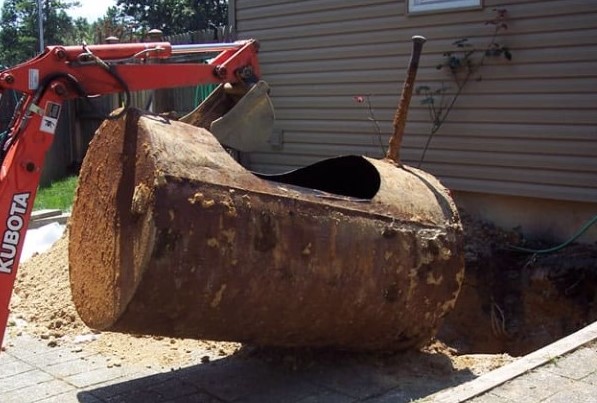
(63, 73)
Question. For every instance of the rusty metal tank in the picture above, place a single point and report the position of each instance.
(170, 236)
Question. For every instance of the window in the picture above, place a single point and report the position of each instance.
(415, 6)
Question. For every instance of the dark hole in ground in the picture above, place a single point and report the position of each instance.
(349, 175)
(514, 302)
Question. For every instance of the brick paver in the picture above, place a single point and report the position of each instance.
(568, 379)
(30, 371)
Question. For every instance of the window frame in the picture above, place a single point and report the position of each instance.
(440, 6)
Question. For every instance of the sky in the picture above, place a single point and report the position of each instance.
(90, 9)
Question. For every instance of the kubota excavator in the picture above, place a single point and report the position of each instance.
(63, 73)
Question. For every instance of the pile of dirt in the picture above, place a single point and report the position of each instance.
(41, 302)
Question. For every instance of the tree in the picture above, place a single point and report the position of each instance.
(176, 16)
(19, 35)
(82, 32)
(114, 23)
(17, 39)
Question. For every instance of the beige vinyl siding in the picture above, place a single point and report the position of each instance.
(527, 128)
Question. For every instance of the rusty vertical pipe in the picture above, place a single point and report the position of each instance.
(393, 153)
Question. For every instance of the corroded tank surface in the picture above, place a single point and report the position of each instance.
(170, 236)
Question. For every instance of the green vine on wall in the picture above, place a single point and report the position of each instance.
(463, 64)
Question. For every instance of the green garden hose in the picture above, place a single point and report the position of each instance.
(581, 231)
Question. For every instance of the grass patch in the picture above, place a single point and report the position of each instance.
(59, 195)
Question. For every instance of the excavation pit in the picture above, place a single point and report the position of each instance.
(516, 303)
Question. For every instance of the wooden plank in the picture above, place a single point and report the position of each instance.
(574, 50)
(421, 115)
(444, 141)
(60, 219)
(262, 9)
(386, 60)
(497, 377)
(317, 131)
(298, 13)
(467, 130)
(392, 74)
(586, 180)
(509, 188)
(545, 86)
(572, 37)
(44, 213)
(524, 159)
(471, 102)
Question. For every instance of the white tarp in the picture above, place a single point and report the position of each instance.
(41, 239)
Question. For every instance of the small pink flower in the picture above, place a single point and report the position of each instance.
(359, 98)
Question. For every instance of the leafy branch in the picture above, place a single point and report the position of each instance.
(462, 64)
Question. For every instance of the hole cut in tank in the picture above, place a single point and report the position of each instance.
(350, 175)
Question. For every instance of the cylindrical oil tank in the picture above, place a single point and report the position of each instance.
(170, 236)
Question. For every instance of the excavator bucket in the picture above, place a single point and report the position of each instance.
(240, 119)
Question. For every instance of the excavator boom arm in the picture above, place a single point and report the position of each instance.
(141, 67)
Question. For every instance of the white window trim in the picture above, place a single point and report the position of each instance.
(425, 6)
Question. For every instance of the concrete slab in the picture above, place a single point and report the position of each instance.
(23, 380)
(38, 391)
(534, 386)
(10, 367)
(62, 219)
(569, 366)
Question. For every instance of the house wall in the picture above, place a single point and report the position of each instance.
(554, 221)
(521, 130)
